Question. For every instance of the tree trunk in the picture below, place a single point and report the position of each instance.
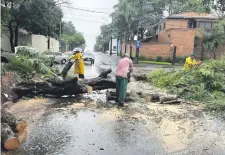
(140, 77)
(57, 87)
(125, 51)
(11, 36)
(168, 99)
(16, 33)
(214, 54)
(121, 47)
(8, 137)
(15, 124)
(202, 53)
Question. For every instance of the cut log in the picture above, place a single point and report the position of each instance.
(140, 77)
(22, 136)
(12, 121)
(168, 99)
(154, 97)
(8, 137)
(105, 73)
(57, 87)
(66, 69)
(110, 95)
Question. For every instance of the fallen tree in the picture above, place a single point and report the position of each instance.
(58, 87)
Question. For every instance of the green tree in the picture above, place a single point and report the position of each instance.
(68, 28)
(74, 40)
(213, 40)
(40, 17)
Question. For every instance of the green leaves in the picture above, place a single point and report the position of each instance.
(203, 84)
(74, 40)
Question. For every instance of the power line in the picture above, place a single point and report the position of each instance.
(87, 10)
(82, 15)
(87, 21)
(95, 8)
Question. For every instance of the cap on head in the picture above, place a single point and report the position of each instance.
(127, 55)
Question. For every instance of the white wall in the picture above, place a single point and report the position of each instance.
(38, 42)
(5, 43)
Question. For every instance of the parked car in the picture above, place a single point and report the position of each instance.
(69, 53)
(89, 57)
(78, 49)
(58, 57)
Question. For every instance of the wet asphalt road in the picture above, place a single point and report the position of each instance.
(58, 127)
(88, 125)
(102, 61)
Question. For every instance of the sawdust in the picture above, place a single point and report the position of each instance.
(29, 110)
(110, 115)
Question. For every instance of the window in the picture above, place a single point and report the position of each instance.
(205, 25)
(192, 23)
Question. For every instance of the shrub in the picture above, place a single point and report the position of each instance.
(180, 60)
(168, 59)
(158, 59)
(206, 84)
(142, 58)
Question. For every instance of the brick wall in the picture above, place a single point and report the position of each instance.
(183, 39)
(163, 37)
(151, 50)
(176, 23)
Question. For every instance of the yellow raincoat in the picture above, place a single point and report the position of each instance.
(79, 63)
(190, 63)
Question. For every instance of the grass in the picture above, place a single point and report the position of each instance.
(155, 62)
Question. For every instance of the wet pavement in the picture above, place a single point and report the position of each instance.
(88, 124)
(102, 61)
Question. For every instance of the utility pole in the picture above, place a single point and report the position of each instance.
(117, 46)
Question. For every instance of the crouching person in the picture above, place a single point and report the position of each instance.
(125, 66)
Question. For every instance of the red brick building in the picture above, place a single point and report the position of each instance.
(179, 30)
(182, 29)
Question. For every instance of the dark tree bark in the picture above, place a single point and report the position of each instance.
(11, 36)
(56, 87)
(16, 33)
(202, 53)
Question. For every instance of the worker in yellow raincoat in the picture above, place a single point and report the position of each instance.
(79, 64)
(191, 62)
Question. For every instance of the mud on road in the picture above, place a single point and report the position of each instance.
(90, 125)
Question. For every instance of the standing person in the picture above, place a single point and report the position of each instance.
(191, 62)
(124, 68)
(79, 64)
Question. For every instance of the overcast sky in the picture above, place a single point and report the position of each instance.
(86, 22)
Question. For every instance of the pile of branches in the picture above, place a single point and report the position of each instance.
(27, 63)
(205, 83)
